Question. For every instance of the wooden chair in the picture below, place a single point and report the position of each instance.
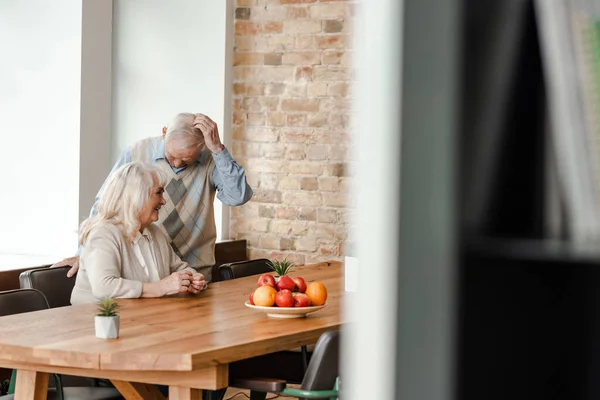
(320, 380)
(27, 300)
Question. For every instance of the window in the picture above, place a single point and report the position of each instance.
(40, 74)
(73, 97)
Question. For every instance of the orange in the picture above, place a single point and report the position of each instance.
(264, 296)
(317, 293)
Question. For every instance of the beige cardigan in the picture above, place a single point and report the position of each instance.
(108, 266)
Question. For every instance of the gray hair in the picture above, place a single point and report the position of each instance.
(181, 126)
(121, 201)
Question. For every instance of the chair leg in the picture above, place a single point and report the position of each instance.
(304, 358)
(59, 387)
(213, 394)
(13, 380)
(257, 395)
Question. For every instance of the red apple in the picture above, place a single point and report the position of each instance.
(251, 298)
(285, 282)
(300, 284)
(301, 300)
(266, 280)
(284, 298)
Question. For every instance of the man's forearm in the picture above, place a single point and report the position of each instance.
(230, 179)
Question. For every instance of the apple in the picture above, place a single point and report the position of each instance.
(301, 300)
(285, 282)
(266, 280)
(284, 298)
(300, 284)
(251, 297)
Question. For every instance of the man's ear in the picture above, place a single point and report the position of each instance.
(164, 131)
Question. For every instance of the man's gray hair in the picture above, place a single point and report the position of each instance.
(182, 127)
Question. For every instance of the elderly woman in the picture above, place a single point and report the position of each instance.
(124, 254)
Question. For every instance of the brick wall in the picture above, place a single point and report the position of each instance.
(291, 126)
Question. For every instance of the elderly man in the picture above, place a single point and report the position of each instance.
(197, 165)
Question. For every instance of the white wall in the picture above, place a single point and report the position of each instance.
(40, 47)
(168, 57)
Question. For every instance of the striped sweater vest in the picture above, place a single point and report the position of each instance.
(188, 217)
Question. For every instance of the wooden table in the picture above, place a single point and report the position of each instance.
(185, 342)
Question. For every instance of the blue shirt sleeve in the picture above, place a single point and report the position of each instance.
(230, 180)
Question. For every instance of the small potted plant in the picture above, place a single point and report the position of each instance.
(281, 268)
(107, 319)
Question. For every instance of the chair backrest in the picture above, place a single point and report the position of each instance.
(323, 368)
(19, 301)
(52, 282)
(240, 269)
(9, 279)
(228, 251)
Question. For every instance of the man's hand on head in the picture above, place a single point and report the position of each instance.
(210, 131)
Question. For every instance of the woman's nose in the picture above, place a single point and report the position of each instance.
(162, 201)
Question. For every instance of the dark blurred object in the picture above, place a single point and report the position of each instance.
(529, 308)
(502, 140)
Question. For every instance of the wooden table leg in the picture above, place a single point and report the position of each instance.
(183, 393)
(138, 391)
(31, 385)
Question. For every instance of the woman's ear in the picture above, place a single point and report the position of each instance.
(164, 131)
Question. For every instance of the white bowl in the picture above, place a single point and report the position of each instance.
(285, 312)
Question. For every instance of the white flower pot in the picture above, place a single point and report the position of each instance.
(107, 327)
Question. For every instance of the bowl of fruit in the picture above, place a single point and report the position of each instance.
(283, 296)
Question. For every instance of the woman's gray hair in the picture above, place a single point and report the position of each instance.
(182, 127)
(122, 200)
